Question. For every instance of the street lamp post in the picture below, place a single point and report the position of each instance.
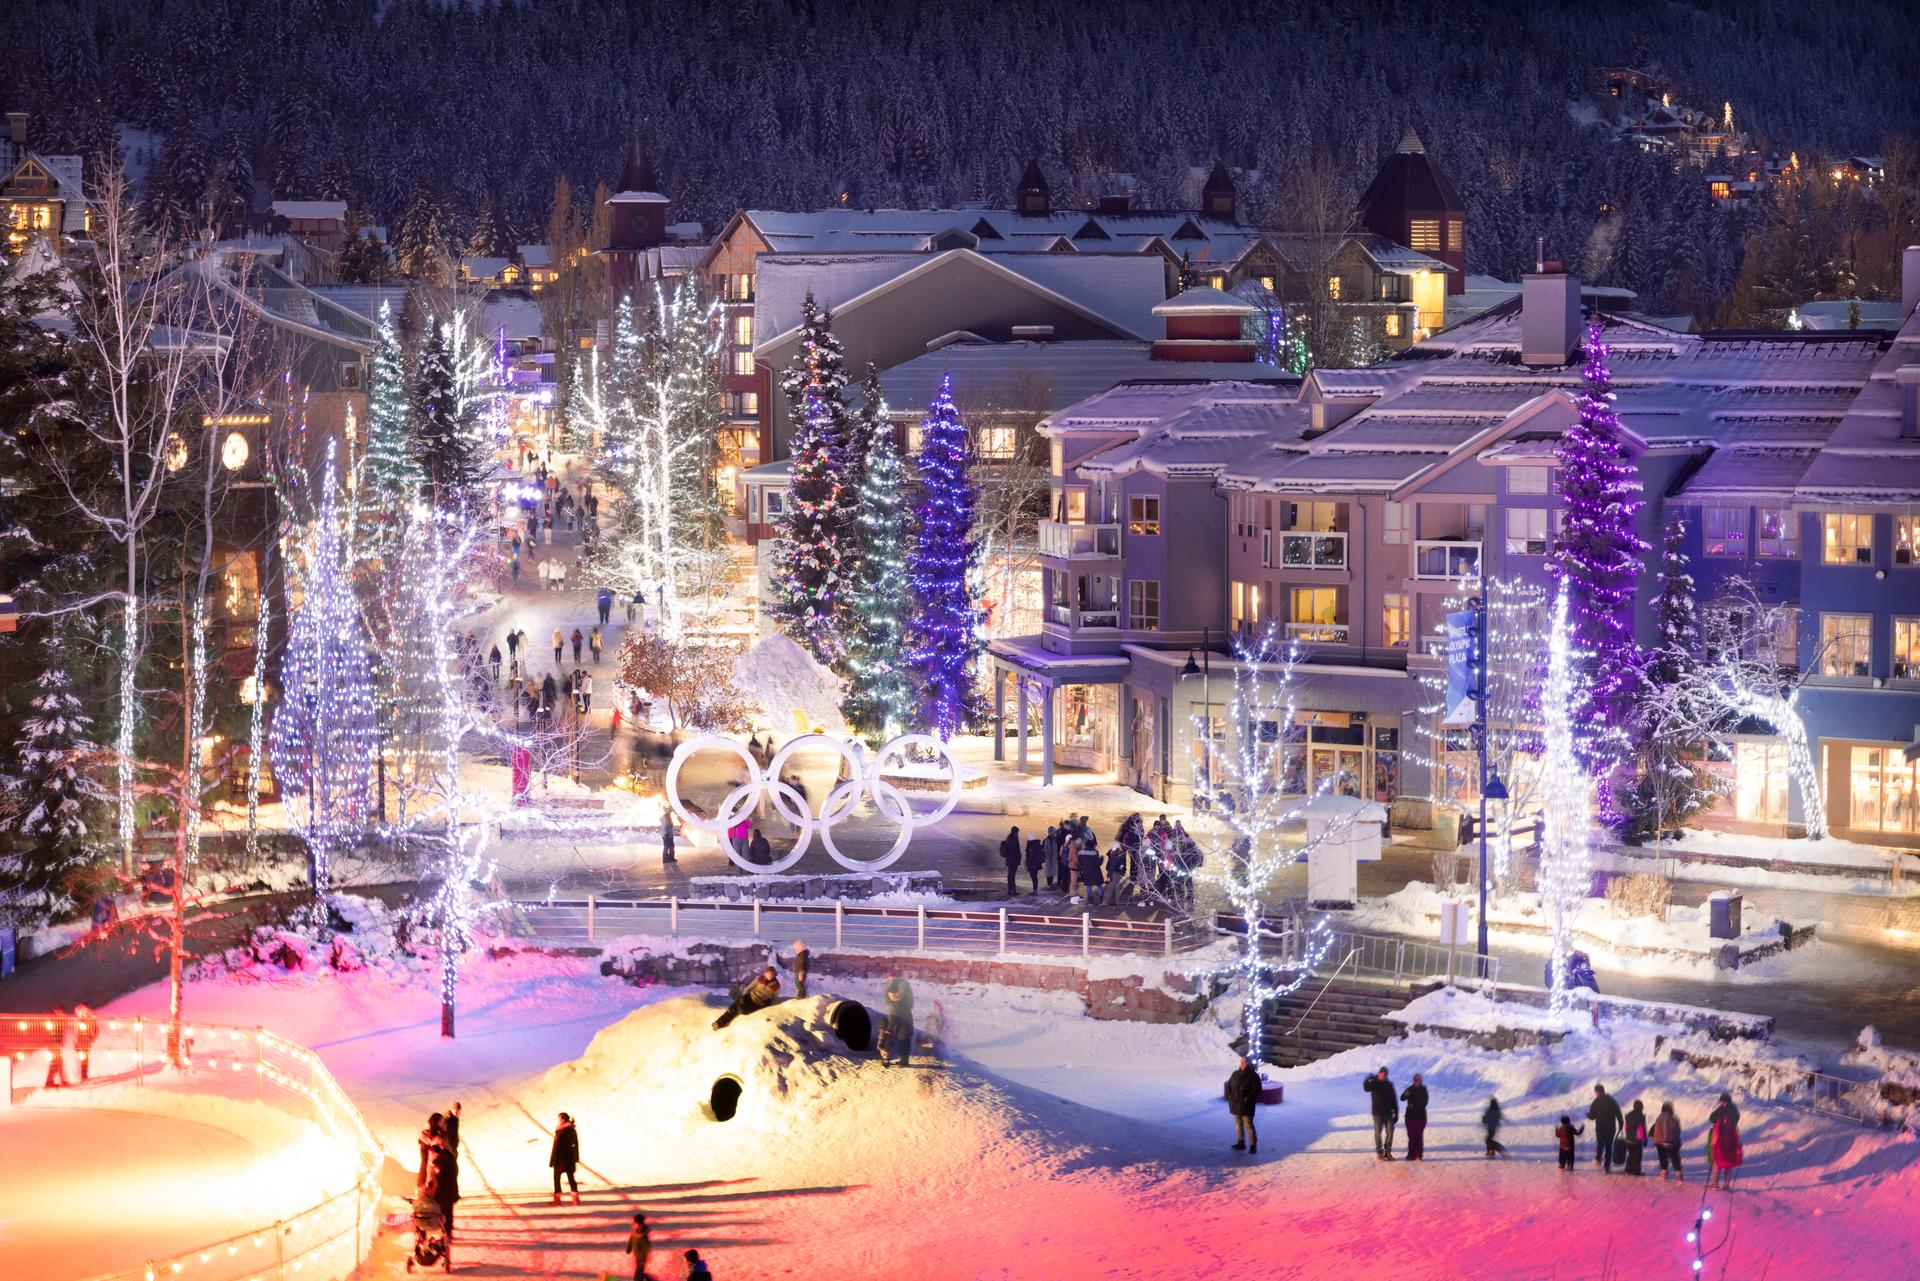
(1204, 670)
(1491, 788)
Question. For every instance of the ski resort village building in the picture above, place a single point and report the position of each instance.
(1355, 511)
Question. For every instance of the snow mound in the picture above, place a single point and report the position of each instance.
(781, 678)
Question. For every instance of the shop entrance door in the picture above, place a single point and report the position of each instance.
(1338, 770)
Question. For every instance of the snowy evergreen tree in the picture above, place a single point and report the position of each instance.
(51, 802)
(484, 241)
(391, 468)
(820, 369)
(1668, 787)
(945, 632)
(807, 563)
(1598, 557)
(880, 696)
(441, 427)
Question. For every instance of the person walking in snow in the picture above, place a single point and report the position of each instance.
(1415, 1097)
(697, 1267)
(585, 687)
(763, 991)
(564, 1157)
(559, 647)
(899, 995)
(1564, 1134)
(543, 569)
(1036, 860)
(666, 836)
(443, 1182)
(1010, 855)
(493, 661)
(428, 1139)
(593, 641)
(1634, 1132)
(1666, 1141)
(605, 601)
(640, 1245)
(578, 640)
(1386, 1111)
(1243, 1095)
(1604, 1112)
(1490, 1122)
(802, 960)
(1724, 1153)
(513, 642)
(635, 601)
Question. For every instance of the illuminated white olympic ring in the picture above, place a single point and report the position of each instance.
(866, 776)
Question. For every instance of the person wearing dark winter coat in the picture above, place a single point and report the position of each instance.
(429, 1139)
(1036, 859)
(443, 1183)
(1490, 1122)
(1415, 1097)
(757, 995)
(697, 1267)
(565, 1157)
(605, 601)
(759, 849)
(1604, 1112)
(1243, 1095)
(802, 959)
(1724, 1151)
(450, 1132)
(899, 1019)
(1010, 855)
(1050, 849)
(578, 641)
(1666, 1141)
(1634, 1131)
(1386, 1111)
(1564, 1134)
(640, 1245)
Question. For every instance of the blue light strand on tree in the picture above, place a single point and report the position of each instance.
(323, 736)
(946, 630)
(1598, 557)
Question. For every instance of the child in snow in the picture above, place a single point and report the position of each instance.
(1490, 1122)
(697, 1267)
(1666, 1141)
(640, 1245)
(1565, 1133)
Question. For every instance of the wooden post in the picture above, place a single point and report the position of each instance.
(920, 919)
(839, 919)
(1003, 931)
(756, 916)
(1086, 934)
(673, 915)
(1168, 924)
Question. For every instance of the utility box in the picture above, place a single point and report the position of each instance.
(1342, 832)
(1723, 914)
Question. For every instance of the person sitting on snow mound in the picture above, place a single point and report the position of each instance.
(757, 995)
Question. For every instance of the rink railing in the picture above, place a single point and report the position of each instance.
(325, 1240)
(1375, 956)
(595, 920)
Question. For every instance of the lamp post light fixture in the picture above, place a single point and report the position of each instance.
(1204, 670)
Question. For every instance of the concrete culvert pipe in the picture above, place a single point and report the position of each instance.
(724, 1100)
(852, 1024)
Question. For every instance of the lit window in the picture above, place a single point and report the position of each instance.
(1780, 534)
(1527, 531)
(1238, 617)
(776, 502)
(1528, 480)
(1724, 531)
(1143, 516)
(995, 444)
(1396, 620)
(1847, 538)
(43, 216)
(1393, 324)
(750, 403)
(1076, 507)
(1266, 283)
(1320, 518)
(742, 363)
(1333, 288)
(1456, 236)
(1906, 649)
(743, 330)
(1393, 521)
(1906, 540)
(1760, 780)
(234, 451)
(1846, 644)
(1786, 636)
(1314, 614)
(1143, 605)
(1423, 234)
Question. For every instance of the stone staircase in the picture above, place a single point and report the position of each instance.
(1322, 1019)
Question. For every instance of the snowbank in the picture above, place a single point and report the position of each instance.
(781, 678)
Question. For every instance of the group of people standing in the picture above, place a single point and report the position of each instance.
(1620, 1138)
(563, 1159)
(1158, 862)
(439, 1177)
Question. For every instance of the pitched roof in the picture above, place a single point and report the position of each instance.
(1409, 181)
(1044, 376)
(311, 210)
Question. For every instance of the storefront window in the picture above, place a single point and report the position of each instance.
(1883, 789)
(1386, 763)
(1760, 781)
(1089, 725)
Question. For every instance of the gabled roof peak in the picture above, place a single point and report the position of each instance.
(1410, 144)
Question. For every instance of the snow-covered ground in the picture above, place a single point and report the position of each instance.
(1037, 1142)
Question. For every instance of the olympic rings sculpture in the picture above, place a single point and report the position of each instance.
(866, 776)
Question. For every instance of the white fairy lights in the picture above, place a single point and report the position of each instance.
(1566, 796)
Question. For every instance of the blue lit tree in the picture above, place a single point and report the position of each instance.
(945, 634)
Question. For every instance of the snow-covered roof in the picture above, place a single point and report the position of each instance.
(1203, 300)
(1183, 428)
(484, 268)
(1042, 376)
(637, 198)
(520, 316)
(1847, 313)
(365, 300)
(1749, 475)
(311, 210)
(534, 255)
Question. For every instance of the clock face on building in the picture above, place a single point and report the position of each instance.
(234, 451)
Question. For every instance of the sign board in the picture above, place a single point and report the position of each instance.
(1462, 634)
(1455, 924)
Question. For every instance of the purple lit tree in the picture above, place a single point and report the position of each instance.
(946, 626)
(807, 564)
(1599, 557)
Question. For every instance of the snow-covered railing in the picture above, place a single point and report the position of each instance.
(325, 1240)
(1387, 956)
(863, 926)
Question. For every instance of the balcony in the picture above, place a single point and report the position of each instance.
(1445, 559)
(1093, 617)
(1322, 633)
(1062, 541)
(1314, 550)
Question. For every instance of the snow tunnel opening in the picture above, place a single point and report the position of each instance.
(724, 1099)
(852, 1023)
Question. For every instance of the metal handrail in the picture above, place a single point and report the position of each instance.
(1351, 953)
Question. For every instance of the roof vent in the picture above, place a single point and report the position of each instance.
(1033, 333)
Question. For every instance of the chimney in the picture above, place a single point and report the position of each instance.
(1115, 202)
(17, 128)
(1549, 315)
(1909, 282)
(1908, 378)
(1032, 195)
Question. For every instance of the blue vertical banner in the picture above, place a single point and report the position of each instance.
(1462, 637)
